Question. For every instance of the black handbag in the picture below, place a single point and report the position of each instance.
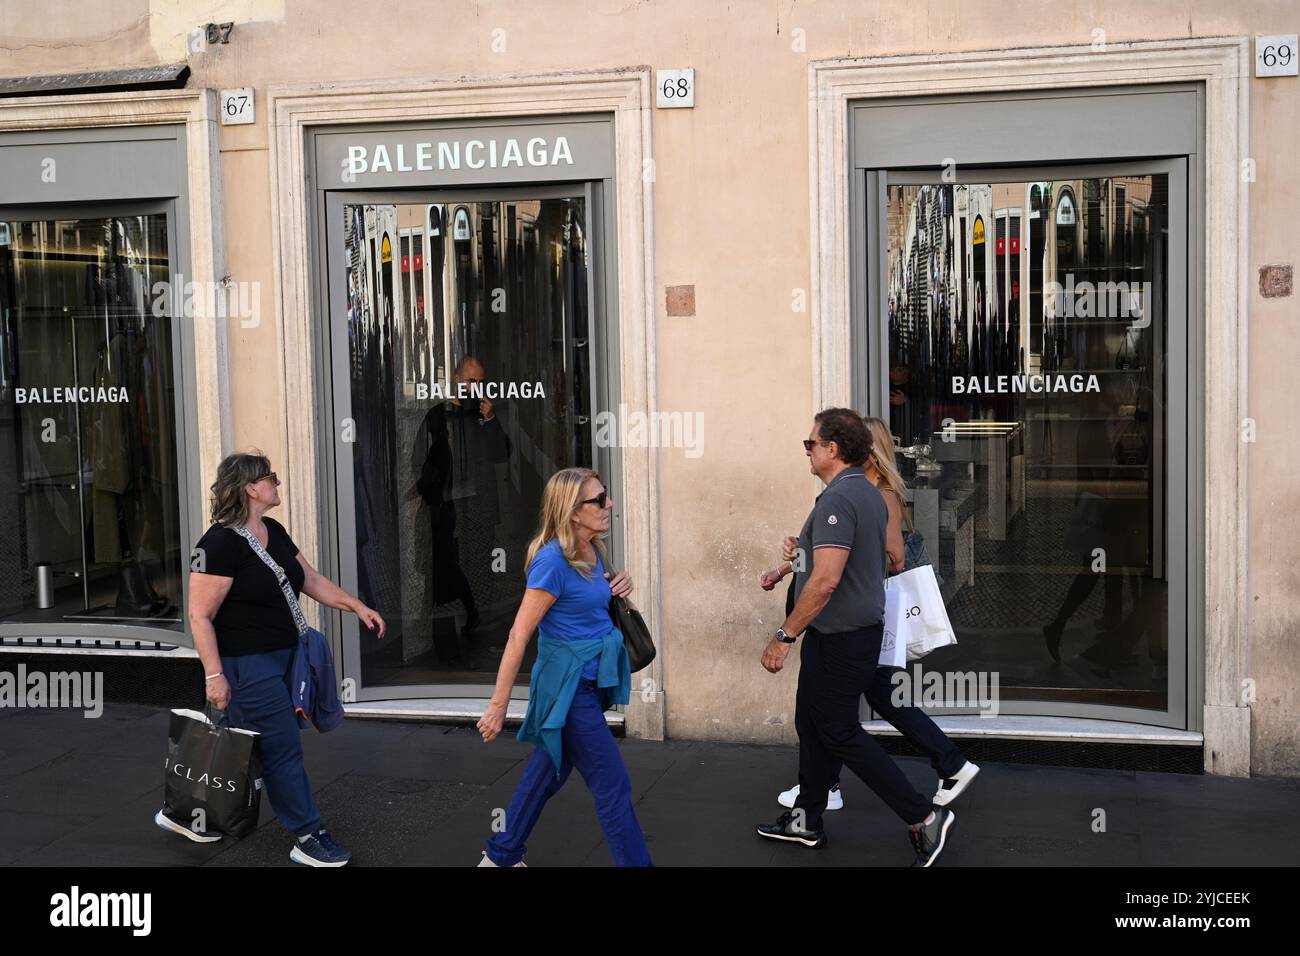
(636, 636)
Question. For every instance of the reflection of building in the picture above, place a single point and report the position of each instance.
(1021, 459)
(498, 301)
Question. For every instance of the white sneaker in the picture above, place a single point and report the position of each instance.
(167, 823)
(487, 861)
(952, 787)
(834, 799)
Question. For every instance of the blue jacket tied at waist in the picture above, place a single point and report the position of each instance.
(314, 690)
(556, 673)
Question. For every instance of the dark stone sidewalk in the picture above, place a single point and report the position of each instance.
(78, 792)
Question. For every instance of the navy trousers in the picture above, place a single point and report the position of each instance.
(260, 701)
(835, 671)
(588, 745)
(914, 724)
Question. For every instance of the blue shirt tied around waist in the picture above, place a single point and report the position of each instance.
(576, 641)
(556, 674)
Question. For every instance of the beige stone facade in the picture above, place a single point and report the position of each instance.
(741, 199)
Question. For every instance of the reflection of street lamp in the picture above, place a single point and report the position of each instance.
(460, 225)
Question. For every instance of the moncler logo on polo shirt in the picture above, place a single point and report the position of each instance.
(832, 520)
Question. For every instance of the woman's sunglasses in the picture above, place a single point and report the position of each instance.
(275, 479)
(598, 501)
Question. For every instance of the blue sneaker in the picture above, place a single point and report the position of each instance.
(317, 849)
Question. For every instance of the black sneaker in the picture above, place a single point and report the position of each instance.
(319, 850)
(198, 836)
(786, 829)
(929, 839)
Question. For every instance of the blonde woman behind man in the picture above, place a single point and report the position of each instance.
(954, 770)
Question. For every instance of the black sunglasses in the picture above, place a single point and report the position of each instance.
(598, 501)
(808, 443)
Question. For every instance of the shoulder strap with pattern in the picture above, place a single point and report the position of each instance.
(290, 598)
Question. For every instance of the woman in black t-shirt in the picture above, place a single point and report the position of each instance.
(245, 635)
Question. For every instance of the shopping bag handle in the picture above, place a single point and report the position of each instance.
(220, 719)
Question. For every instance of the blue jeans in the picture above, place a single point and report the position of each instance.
(260, 701)
(588, 745)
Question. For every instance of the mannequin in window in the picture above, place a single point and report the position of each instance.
(122, 496)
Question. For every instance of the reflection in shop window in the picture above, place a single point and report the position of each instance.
(447, 487)
(1026, 325)
(88, 473)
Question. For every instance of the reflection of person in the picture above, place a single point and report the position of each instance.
(1101, 527)
(457, 449)
(841, 604)
(419, 341)
(898, 380)
(954, 770)
(1132, 444)
(581, 671)
(245, 635)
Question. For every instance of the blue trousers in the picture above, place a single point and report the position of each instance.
(260, 701)
(588, 745)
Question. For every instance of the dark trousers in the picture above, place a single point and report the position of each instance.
(914, 724)
(260, 701)
(835, 671)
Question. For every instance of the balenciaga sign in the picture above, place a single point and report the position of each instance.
(1035, 384)
(456, 155)
(453, 154)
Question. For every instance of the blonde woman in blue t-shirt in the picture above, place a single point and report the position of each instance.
(581, 671)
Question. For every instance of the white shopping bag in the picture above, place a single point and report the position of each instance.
(921, 619)
(893, 645)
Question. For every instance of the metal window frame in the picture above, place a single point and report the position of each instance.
(338, 533)
(189, 493)
(1185, 372)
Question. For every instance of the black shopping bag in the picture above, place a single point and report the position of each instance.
(213, 774)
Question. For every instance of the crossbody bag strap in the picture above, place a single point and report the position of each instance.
(290, 598)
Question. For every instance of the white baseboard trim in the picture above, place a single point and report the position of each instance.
(446, 708)
(1064, 729)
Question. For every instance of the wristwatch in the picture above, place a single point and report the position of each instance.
(785, 638)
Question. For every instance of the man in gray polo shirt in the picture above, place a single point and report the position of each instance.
(839, 610)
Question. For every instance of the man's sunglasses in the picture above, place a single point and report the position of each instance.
(598, 501)
(275, 479)
(808, 443)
